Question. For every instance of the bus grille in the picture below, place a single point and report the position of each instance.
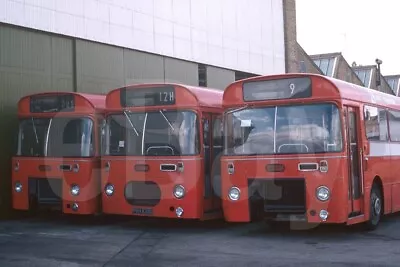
(45, 191)
(146, 194)
(285, 195)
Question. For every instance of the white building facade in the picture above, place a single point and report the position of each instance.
(226, 36)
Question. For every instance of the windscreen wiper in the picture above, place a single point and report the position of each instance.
(235, 110)
(131, 123)
(34, 130)
(170, 125)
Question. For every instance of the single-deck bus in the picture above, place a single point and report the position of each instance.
(56, 165)
(160, 143)
(304, 147)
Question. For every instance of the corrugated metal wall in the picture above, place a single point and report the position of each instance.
(219, 78)
(178, 71)
(32, 61)
(142, 67)
(99, 67)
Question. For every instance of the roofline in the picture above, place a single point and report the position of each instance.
(187, 87)
(392, 76)
(160, 83)
(334, 81)
(79, 94)
(318, 56)
(365, 67)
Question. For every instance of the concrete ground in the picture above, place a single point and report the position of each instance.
(116, 241)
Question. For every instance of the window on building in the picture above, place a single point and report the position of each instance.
(393, 82)
(375, 123)
(326, 65)
(394, 125)
(243, 75)
(365, 76)
(202, 75)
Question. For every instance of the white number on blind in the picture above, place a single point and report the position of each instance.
(166, 96)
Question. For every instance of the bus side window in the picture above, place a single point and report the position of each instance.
(217, 152)
(394, 123)
(206, 148)
(217, 133)
(206, 132)
(375, 120)
(100, 136)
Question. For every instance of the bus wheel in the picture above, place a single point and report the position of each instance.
(375, 208)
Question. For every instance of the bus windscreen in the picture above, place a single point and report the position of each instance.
(155, 133)
(296, 129)
(277, 89)
(55, 137)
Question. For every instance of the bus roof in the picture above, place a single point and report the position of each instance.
(96, 101)
(200, 96)
(323, 87)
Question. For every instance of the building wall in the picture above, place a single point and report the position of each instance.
(228, 33)
(290, 33)
(30, 62)
(384, 87)
(304, 63)
(219, 78)
(345, 72)
(33, 61)
(98, 67)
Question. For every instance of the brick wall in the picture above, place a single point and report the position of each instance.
(291, 47)
(345, 72)
(305, 63)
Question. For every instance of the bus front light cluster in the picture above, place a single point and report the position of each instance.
(18, 187)
(75, 207)
(323, 193)
(234, 193)
(109, 190)
(75, 190)
(323, 215)
(179, 212)
(179, 191)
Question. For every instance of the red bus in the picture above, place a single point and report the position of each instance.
(308, 148)
(56, 165)
(159, 145)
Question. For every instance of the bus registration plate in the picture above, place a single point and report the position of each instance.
(142, 211)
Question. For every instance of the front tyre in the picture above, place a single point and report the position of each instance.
(376, 208)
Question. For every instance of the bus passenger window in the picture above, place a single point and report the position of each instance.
(206, 132)
(217, 133)
(375, 124)
(394, 125)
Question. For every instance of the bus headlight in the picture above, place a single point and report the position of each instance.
(323, 193)
(109, 190)
(179, 191)
(234, 193)
(179, 212)
(75, 190)
(18, 187)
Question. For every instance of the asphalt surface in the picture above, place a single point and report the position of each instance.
(121, 241)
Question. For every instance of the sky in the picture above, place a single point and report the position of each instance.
(362, 30)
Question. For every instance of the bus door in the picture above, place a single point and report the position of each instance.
(354, 157)
(211, 150)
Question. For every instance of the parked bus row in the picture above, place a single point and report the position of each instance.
(290, 147)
